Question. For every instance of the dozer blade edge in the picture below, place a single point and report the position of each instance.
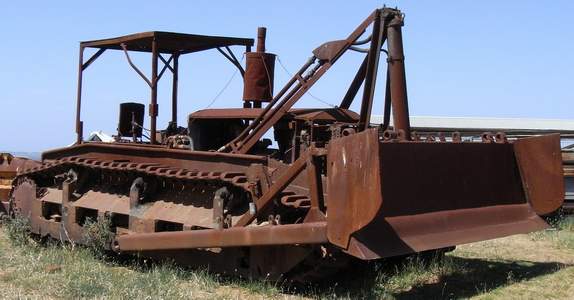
(415, 196)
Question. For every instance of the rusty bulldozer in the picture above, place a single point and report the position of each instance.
(334, 189)
(9, 167)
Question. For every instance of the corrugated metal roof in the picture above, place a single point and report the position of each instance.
(484, 123)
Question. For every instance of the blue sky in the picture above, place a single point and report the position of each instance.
(463, 58)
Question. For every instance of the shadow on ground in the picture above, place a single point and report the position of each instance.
(476, 276)
(473, 277)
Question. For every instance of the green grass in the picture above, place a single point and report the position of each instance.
(415, 273)
(539, 265)
(561, 234)
(34, 270)
(59, 272)
(17, 230)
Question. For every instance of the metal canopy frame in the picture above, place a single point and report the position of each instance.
(156, 43)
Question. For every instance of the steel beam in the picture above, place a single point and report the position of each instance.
(355, 85)
(79, 129)
(153, 110)
(284, 180)
(377, 38)
(174, 88)
(305, 233)
(93, 58)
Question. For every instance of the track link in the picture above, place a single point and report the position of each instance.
(237, 179)
(320, 263)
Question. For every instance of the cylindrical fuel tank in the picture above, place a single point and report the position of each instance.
(131, 111)
(258, 80)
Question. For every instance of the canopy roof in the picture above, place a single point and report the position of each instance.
(168, 42)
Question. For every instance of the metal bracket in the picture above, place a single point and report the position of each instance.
(140, 73)
(233, 59)
(92, 59)
(165, 66)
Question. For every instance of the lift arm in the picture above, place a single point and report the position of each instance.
(323, 58)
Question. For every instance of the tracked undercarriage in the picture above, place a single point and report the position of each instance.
(151, 197)
(333, 191)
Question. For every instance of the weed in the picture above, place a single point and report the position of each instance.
(416, 271)
(561, 234)
(18, 229)
(566, 224)
(98, 236)
(510, 277)
(260, 287)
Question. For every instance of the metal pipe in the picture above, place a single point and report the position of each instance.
(355, 85)
(387, 110)
(269, 106)
(174, 88)
(261, 33)
(315, 183)
(140, 73)
(153, 106)
(262, 125)
(371, 71)
(79, 124)
(305, 233)
(398, 88)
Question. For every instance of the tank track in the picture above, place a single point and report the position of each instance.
(321, 263)
(116, 177)
(237, 179)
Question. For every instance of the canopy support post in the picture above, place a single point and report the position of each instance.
(153, 109)
(79, 125)
(174, 88)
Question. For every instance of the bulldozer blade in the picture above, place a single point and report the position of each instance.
(540, 162)
(406, 197)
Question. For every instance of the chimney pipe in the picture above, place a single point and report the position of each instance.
(261, 34)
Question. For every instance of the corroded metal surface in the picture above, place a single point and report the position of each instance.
(540, 162)
(416, 196)
(306, 233)
(334, 190)
(9, 166)
(259, 73)
(568, 165)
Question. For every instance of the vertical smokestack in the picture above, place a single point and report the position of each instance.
(261, 33)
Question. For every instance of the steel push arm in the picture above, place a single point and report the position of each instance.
(386, 26)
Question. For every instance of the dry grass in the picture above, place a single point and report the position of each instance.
(533, 266)
(31, 270)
